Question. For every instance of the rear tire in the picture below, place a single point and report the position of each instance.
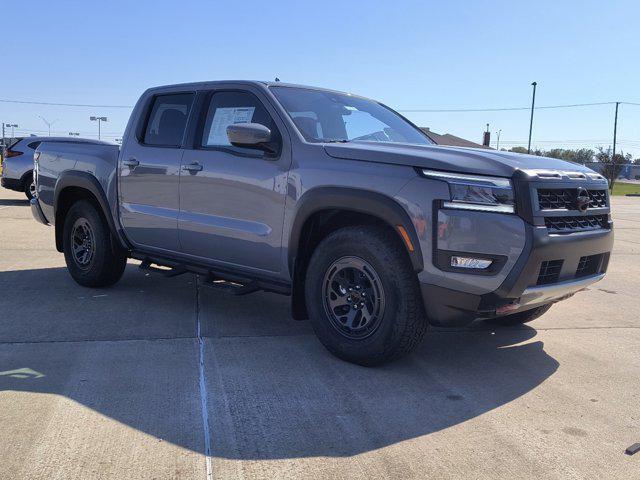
(520, 317)
(87, 245)
(389, 319)
(29, 187)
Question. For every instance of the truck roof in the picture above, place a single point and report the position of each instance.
(260, 83)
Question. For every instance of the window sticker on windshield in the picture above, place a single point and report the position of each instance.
(225, 117)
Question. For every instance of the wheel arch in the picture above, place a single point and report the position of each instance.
(72, 186)
(330, 208)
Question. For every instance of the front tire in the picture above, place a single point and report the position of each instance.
(88, 251)
(363, 297)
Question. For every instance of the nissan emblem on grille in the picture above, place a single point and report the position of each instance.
(582, 199)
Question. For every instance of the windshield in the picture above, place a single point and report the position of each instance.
(323, 116)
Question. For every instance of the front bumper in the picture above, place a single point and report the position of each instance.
(540, 295)
(520, 290)
(36, 211)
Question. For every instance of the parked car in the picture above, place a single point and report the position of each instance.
(17, 162)
(333, 199)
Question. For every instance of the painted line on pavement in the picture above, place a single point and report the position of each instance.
(204, 403)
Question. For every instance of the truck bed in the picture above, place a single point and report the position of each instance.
(54, 160)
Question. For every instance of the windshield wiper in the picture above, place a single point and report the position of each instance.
(334, 140)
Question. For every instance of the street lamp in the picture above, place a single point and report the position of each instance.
(498, 139)
(9, 125)
(4, 143)
(98, 119)
(74, 134)
(48, 123)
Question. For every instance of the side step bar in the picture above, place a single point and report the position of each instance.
(228, 283)
(148, 266)
(232, 288)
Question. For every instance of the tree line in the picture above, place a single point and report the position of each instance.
(612, 165)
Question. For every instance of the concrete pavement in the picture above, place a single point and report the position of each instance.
(105, 383)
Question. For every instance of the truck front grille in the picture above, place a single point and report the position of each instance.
(588, 265)
(564, 198)
(576, 223)
(549, 272)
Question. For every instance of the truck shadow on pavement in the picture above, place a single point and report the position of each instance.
(130, 353)
(13, 202)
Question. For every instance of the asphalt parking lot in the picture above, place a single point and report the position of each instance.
(106, 383)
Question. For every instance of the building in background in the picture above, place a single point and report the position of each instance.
(451, 140)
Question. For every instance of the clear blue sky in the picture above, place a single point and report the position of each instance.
(408, 54)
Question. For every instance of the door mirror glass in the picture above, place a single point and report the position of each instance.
(248, 135)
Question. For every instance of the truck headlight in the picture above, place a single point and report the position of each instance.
(476, 192)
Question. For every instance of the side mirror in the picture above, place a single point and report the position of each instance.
(248, 135)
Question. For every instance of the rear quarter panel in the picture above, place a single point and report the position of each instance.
(100, 161)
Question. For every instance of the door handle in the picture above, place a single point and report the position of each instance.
(192, 167)
(131, 163)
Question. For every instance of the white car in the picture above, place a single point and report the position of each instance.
(17, 163)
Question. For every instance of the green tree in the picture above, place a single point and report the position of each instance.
(557, 153)
(583, 155)
(612, 164)
(518, 150)
(580, 155)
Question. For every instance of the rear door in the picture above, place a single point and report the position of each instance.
(232, 199)
(149, 173)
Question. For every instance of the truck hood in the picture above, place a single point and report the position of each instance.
(454, 159)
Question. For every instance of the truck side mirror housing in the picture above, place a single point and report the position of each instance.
(249, 135)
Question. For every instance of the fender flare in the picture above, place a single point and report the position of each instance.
(357, 200)
(86, 181)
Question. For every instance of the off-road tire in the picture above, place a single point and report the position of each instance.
(520, 317)
(402, 324)
(106, 264)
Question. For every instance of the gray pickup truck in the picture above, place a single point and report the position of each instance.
(333, 199)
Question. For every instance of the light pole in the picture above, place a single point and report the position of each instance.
(498, 139)
(47, 122)
(98, 119)
(533, 104)
(615, 132)
(74, 134)
(12, 126)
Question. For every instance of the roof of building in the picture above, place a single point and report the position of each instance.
(450, 140)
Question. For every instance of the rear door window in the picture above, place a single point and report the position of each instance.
(168, 119)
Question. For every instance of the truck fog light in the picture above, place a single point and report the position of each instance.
(470, 262)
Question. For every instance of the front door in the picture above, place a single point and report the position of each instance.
(232, 199)
(149, 174)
